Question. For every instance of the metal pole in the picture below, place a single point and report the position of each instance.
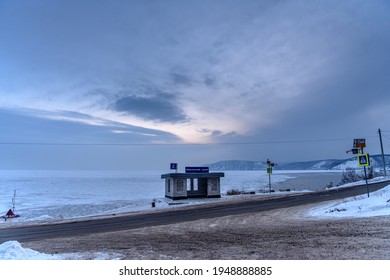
(365, 177)
(269, 178)
(14, 201)
(383, 154)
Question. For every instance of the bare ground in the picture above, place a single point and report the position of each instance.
(278, 234)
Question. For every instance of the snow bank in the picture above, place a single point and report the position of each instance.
(13, 250)
(378, 204)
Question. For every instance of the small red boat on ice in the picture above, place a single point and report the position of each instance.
(11, 212)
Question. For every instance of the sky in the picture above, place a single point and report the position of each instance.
(141, 83)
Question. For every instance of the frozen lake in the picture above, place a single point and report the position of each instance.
(46, 195)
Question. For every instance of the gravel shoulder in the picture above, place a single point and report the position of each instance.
(283, 234)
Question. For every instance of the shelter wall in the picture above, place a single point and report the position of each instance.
(176, 188)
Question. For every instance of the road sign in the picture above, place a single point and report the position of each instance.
(359, 143)
(363, 160)
(200, 169)
(269, 170)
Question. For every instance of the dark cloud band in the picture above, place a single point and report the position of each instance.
(160, 108)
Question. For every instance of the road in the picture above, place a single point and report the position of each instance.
(177, 215)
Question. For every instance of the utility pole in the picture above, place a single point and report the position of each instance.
(383, 154)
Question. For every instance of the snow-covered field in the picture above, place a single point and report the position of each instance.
(56, 195)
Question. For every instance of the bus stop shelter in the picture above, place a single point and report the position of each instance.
(192, 185)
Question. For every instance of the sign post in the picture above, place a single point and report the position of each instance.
(363, 159)
(269, 172)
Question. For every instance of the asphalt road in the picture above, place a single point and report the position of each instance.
(177, 215)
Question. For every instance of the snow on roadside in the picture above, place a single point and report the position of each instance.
(13, 250)
(378, 204)
(362, 182)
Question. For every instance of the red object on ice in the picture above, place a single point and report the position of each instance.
(10, 214)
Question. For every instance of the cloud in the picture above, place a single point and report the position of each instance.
(181, 79)
(38, 126)
(209, 80)
(161, 107)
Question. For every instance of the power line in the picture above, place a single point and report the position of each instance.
(178, 144)
(385, 136)
(284, 141)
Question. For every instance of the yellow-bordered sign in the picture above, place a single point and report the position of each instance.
(269, 170)
(364, 160)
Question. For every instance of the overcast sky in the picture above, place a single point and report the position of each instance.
(190, 81)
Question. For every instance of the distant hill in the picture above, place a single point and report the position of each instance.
(327, 164)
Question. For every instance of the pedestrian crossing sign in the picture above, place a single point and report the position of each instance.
(363, 160)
